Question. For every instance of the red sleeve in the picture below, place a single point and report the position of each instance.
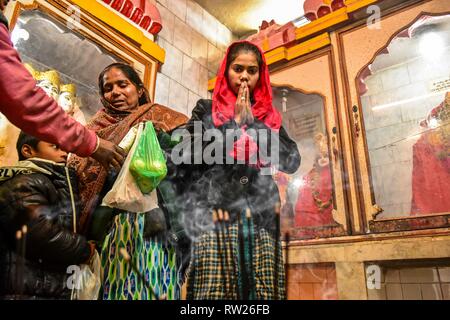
(29, 108)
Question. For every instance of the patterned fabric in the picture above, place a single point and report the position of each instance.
(215, 271)
(154, 259)
(112, 125)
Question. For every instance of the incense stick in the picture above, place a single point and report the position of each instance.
(244, 276)
(124, 253)
(287, 238)
(224, 242)
(230, 250)
(248, 216)
(22, 257)
(215, 217)
(277, 248)
(18, 257)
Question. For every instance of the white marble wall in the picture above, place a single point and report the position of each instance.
(195, 43)
(392, 132)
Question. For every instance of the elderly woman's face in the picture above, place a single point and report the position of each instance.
(119, 91)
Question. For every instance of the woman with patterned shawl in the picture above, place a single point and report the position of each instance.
(126, 102)
(240, 257)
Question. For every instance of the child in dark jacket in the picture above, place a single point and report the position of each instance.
(40, 193)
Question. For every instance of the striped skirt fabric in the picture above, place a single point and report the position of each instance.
(216, 271)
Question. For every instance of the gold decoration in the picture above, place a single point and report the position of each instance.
(49, 82)
(444, 113)
(321, 204)
(67, 98)
(51, 76)
(322, 150)
(70, 88)
(30, 68)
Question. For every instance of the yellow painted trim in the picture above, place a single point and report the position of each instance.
(125, 27)
(332, 18)
(265, 44)
(298, 50)
(313, 44)
(211, 84)
(353, 5)
(275, 55)
(323, 23)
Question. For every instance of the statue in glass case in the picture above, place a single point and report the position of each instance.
(314, 205)
(49, 82)
(69, 102)
(65, 94)
(431, 163)
(66, 100)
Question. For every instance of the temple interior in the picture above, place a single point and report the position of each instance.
(363, 88)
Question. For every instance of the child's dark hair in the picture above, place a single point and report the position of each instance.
(239, 47)
(25, 138)
(131, 74)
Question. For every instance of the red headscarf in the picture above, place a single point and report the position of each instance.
(224, 99)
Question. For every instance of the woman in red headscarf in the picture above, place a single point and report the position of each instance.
(239, 257)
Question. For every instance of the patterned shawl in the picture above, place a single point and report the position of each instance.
(112, 125)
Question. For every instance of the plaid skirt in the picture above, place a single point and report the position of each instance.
(220, 262)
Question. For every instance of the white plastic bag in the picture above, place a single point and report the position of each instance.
(125, 193)
(88, 280)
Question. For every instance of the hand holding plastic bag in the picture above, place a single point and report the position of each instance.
(125, 193)
(148, 165)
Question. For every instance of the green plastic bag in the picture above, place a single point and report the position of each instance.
(148, 165)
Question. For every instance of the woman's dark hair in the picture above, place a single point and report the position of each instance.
(25, 138)
(239, 47)
(131, 74)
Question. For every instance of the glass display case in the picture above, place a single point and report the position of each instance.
(405, 99)
(313, 198)
(307, 196)
(65, 44)
(397, 89)
(58, 57)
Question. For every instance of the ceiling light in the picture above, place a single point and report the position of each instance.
(431, 46)
(405, 101)
(289, 10)
(298, 183)
(19, 34)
